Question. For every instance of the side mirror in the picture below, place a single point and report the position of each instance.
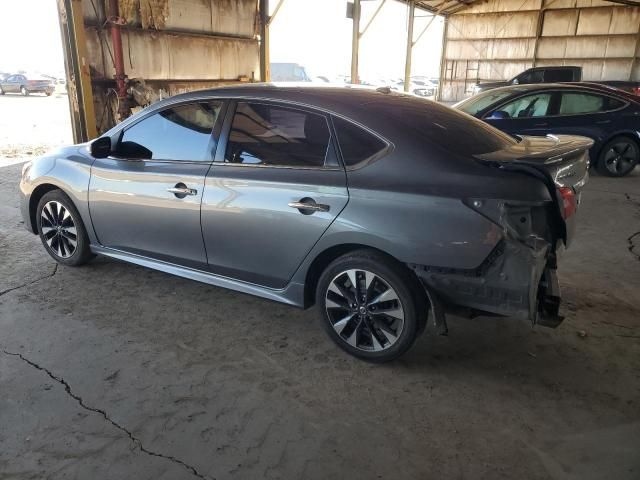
(101, 147)
(498, 115)
(133, 151)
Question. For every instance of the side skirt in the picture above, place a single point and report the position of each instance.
(293, 294)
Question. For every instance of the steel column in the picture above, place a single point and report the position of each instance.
(83, 119)
(265, 73)
(115, 21)
(355, 41)
(443, 58)
(407, 62)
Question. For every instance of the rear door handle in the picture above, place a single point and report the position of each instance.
(308, 206)
(541, 125)
(181, 190)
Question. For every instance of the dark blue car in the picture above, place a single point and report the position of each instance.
(609, 116)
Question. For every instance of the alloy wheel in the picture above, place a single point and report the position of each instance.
(621, 157)
(58, 229)
(364, 310)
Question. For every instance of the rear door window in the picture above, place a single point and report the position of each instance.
(273, 135)
(356, 144)
(580, 103)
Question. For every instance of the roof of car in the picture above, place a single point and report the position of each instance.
(340, 98)
(531, 87)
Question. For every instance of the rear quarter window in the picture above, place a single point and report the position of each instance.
(356, 144)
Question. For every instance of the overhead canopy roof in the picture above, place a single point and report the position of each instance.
(448, 7)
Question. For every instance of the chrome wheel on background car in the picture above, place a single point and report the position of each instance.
(619, 157)
(58, 229)
(364, 310)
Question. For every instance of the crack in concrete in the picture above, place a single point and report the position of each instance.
(632, 246)
(55, 270)
(135, 440)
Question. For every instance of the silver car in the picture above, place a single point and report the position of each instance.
(378, 207)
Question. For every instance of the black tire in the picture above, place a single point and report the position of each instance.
(371, 342)
(48, 94)
(57, 231)
(1, 91)
(618, 157)
(24, 92)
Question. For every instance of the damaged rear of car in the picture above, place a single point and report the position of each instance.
(494, 251)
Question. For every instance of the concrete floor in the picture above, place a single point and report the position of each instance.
(113, 371)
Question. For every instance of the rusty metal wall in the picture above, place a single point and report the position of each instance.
(497, 39)
(170, 46)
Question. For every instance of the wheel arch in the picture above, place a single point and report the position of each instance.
(630, 134)
(37, 194)
(328, 255)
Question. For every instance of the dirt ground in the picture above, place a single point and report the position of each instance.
(113, 371)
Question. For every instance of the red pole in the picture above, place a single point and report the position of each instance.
(118, 59)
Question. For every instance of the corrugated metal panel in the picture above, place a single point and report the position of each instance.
(600, 36)
(160, 56)
(497, 25)
(501, 6)
(487, 49)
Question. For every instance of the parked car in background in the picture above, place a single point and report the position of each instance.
(371, 205)
(610, 117)
(25, 85)
(536, 75)
(288, 72)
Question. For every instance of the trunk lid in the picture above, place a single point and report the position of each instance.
(560, 161)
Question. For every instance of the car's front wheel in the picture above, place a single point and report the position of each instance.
(371, 306)
(619, 157)
(61, 229)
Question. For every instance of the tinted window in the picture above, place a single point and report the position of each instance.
(177, 133)
(356, 144)
(533, 76)
(575, 103)
(528, 106)
(272, 135)
(558, 76)
(449, 129)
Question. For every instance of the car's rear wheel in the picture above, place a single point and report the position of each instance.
(61, 229)
(618, 157)
(1, 91)
(370, 305)
(24, 91)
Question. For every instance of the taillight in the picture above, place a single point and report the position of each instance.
(636, 91)
(569, 201)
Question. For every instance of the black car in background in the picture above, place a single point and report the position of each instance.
(536, 75)
(25, 85)
(609, 116)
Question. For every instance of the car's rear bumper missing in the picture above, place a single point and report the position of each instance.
(515, 280)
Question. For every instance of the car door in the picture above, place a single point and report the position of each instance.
(525, 115)
(145, 198)
(589, 114)
(274, 189)
(12, 84)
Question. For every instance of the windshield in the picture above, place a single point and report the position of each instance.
(479, 102)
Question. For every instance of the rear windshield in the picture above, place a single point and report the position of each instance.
(447, 128)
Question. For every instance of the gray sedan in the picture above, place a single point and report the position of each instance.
(378, 207)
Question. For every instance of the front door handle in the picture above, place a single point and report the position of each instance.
(308, 206)
(541, 125)
(181, 190)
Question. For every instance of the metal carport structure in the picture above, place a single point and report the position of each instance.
(121, 54)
